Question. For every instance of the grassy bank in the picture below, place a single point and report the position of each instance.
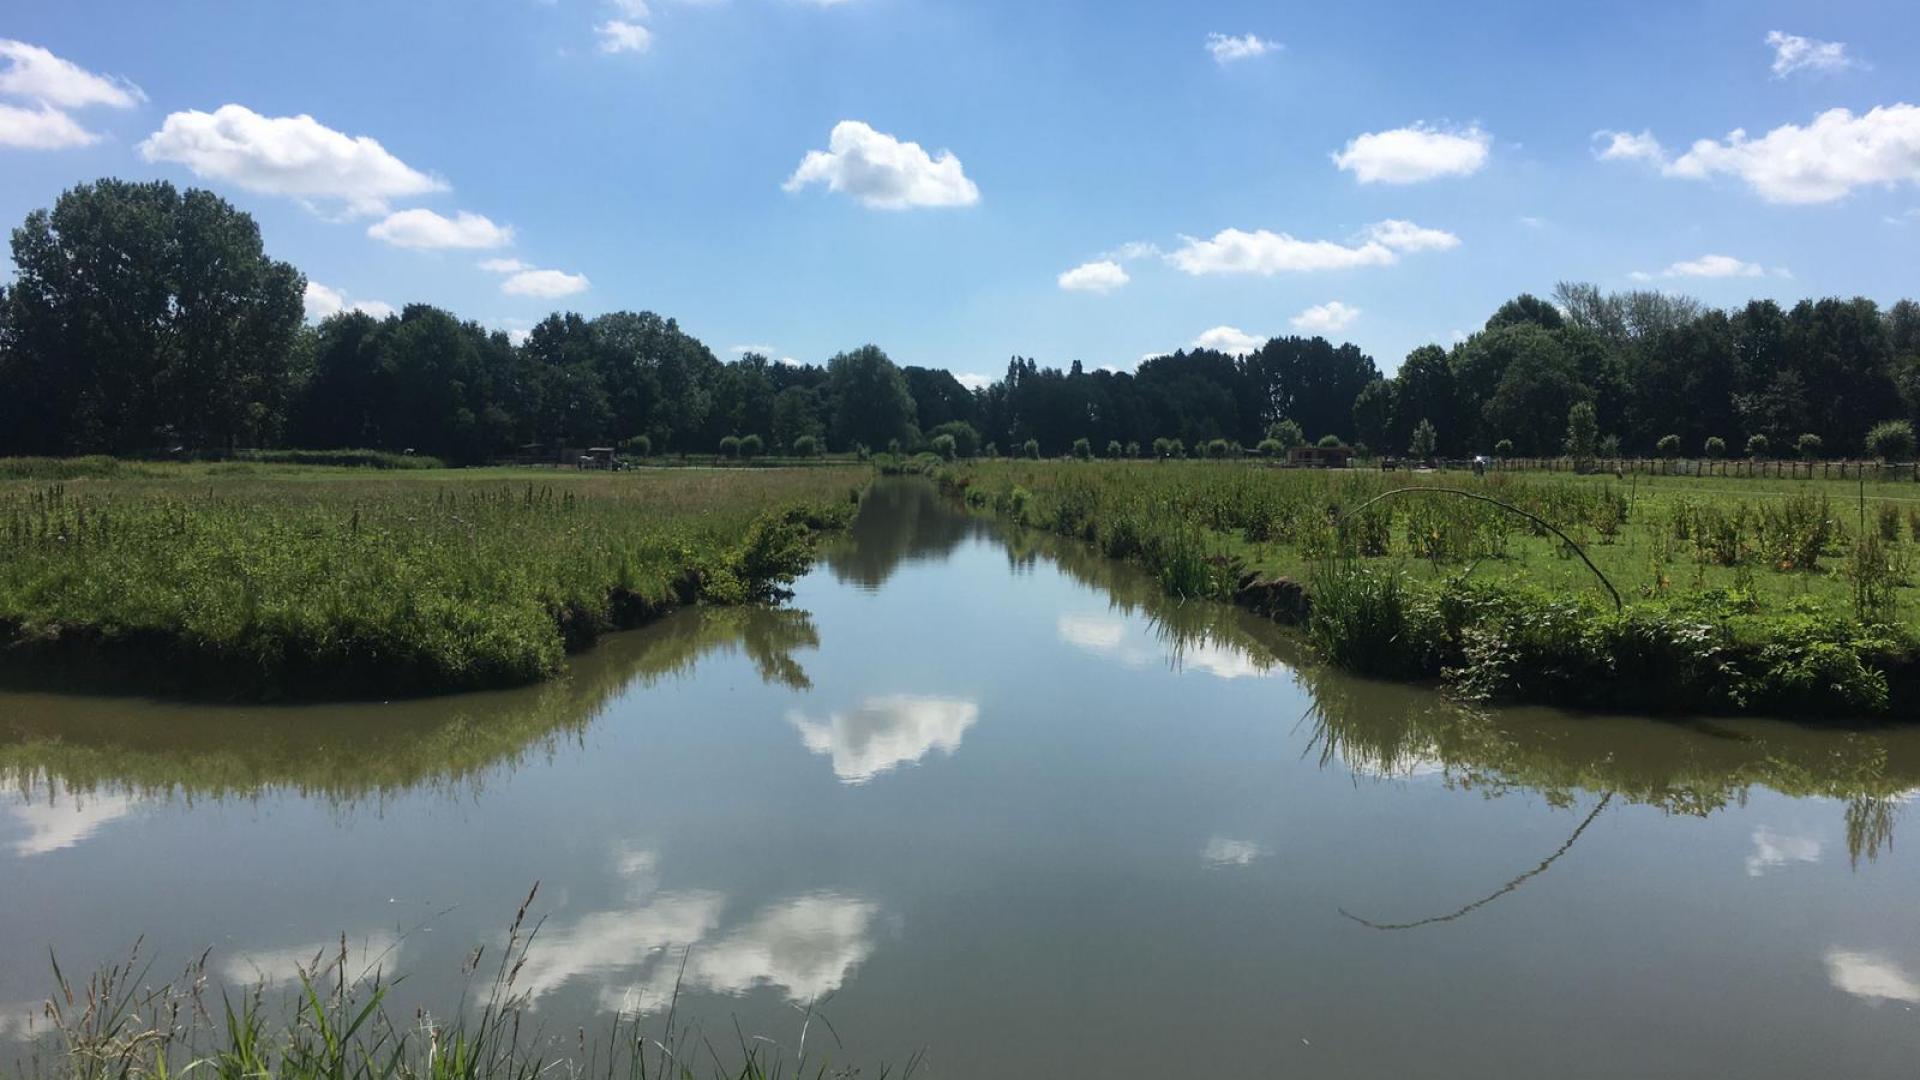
(268, 579)
(1734, 595)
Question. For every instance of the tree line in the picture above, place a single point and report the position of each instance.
(144, 319)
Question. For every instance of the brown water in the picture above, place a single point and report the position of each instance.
(991, 796)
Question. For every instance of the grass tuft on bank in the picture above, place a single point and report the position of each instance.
(1763, 596)
(262, 580)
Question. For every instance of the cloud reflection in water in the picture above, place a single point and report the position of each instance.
(886, 732)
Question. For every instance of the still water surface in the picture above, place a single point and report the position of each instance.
(987, 794)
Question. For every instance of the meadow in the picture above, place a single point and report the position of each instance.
(260, 579)
(1661, 593)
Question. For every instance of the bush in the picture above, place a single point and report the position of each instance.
(1031, 449)
(1716, 447)
(806, 446)
(1668, 447)
(1287, 434)
(943, 445)
(1176, 448)
(730, 446)
(1329, 442)
(638, 446)
(1891, 441)
(1271, 448)
(1162, 448)
(1756, 446)
(1082, 449)
(1610, 446)
(1809, 445)
(1133, 449)
(752, 446)
(1218, 449)
(893, 447)
(966, 440)
(1503, 448)
(1114, 449)
(1583, 430)
(992, 450)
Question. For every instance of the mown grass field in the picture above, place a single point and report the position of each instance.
(258, 579)
(1737, 594)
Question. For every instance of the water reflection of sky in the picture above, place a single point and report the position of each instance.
(1131, 642)
(883, 733)
(46, 816)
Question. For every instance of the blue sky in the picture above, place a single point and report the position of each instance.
(1384, 173)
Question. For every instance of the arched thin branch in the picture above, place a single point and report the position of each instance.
(1497, 894)
(1618, 604)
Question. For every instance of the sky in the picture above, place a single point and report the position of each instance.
(962, 181)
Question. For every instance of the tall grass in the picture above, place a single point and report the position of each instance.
(258, 584)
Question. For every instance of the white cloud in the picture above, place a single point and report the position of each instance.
(37, 75)
(1406, 236)
(547, 284)
(425, 229)
(883, 172)
(1325, 318)
(42, 128)
(1226, 49)
(322, 302)
(1221, 852)
(1235, 251)
(1099, 633)
(1772, 849)
(1821, 162)
(379, 950)
(1627, 146)
(621, 36)
(886, 732)
(1870, 975)
(1792, 53)
(1410, 155)
(1133, 249)
(294, 156)
(525, 280)
(1230, 340)
(631, 9)
(1099, 277)
(973, 380)
(1712, 266)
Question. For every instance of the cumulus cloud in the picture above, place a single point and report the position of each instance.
(294, 156)
(1325, 318)
(1410, 155)
(622, 36)
(973, 380)
(1226, 49)
(322, 301)
(1103, 276)
(1772, 850)
(1820, 162)
(52, 85)
(523, 279)
(1714, 266)
(1236, 251)
(884, 172)
(1627, 146)
(1221, 852)
(41, 128)
(1792, 53)
(1230, 340)
(426, 229)
(37, 75)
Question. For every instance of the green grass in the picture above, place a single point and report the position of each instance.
(1738, 594)
(262, 579)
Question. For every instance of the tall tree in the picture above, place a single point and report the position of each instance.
(871, 405)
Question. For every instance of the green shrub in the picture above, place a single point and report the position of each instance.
(1668, 447)
(1330, 442)
(1891, 440)
(1809, 445)
(638, 446)
(1716, 448)
(1114, 449)
(966, 440)
(730, 446)
(1271, 448)
(1133, 449)
(1083, 449)
(1218, 449)
(1031, 449)
(1287, 434)
(1425, 439)
(1503, 448)
(806, 446)
(751, 446)
(1757, 446)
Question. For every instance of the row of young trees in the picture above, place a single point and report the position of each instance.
(143, 318)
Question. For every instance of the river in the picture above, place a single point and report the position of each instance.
(984, 793)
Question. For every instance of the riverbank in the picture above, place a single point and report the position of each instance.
(1773, 597)
(254, 580)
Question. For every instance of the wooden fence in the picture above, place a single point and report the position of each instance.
(1729, 467)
